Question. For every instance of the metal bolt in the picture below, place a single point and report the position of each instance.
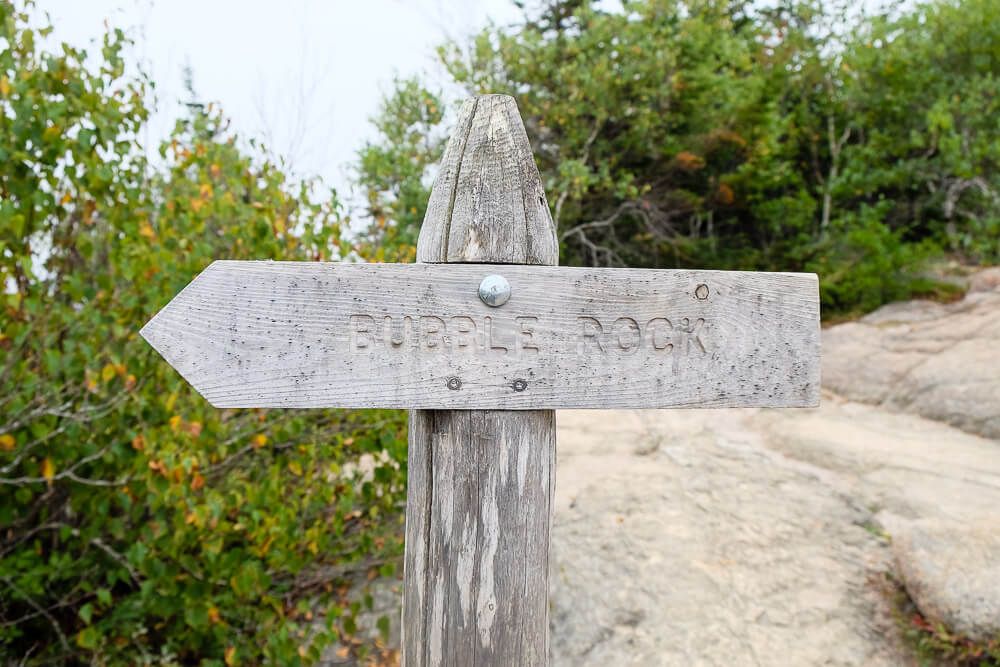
(520, 385)
(701, 291)
(494, 290)
(454, 384)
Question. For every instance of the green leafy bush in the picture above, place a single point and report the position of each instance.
(860, 252)
(137, 523)
(927, 97)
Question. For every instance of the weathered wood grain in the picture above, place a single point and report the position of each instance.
(477, 537)
(488, 204)
(305, 334)
(479, 505)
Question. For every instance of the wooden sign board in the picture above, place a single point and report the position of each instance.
(302, 334)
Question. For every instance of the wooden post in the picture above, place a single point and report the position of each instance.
(480, 487)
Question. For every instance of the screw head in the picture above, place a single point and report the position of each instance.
(519, 385)
(454, 383)
(494, 290)
(701, 292)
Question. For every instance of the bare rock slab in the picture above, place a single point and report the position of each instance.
(724, 537)
(679, 539)
(933, 488)
(952, 572)
(940, 361)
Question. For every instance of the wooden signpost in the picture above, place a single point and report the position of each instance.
(482, 340)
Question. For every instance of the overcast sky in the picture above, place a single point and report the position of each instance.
(305, 74)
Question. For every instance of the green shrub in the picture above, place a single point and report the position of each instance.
(137, 523)
(865, 264)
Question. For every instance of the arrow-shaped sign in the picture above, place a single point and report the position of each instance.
(300, 334)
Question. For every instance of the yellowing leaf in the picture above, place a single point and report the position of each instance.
(259, 440)
(295, 467)
(48, 469)
(213, 615)
(88, 637)
(175, 423)
(197, 481)
(4, 86)
(138, 443)
(303, 651)
(6, 442)
(88, 212)
(108, 372)
(230, 656)
(146, 229)
(279, 226)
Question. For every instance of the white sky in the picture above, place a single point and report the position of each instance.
(304, 74)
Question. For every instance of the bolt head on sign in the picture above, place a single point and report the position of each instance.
(494, 290)
(433, 336)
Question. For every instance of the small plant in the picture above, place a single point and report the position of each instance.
(933, 643)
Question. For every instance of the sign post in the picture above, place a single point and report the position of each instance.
(482, 341)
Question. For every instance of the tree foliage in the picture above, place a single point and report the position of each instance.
(138, 525)
(394, 171)
(724, 134)
(927, 91)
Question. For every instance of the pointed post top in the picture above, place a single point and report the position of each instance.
(487, 203)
